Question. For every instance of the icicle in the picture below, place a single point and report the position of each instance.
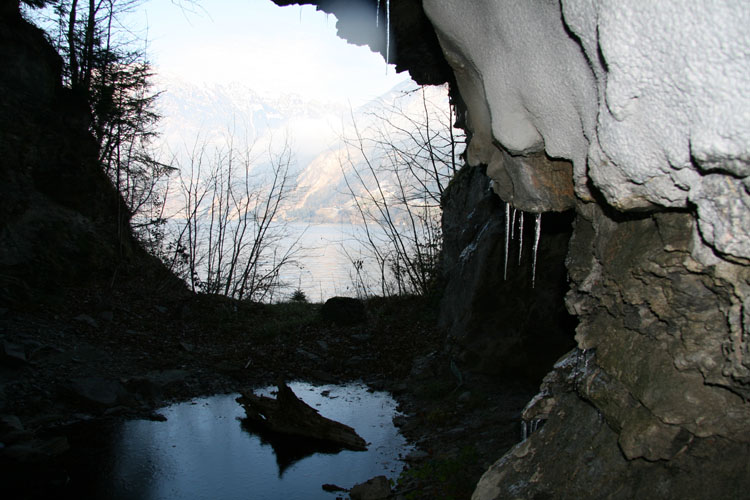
(387, 33)
(377, 15)
(537, 235)
(507, 239)
(520, 237)
(513, 224)
(529, 428)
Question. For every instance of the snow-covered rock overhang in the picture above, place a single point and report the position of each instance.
(645, 105)
(650, 101)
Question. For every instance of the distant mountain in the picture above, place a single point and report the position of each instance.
(210, 111)
(315, 131)
(323, 194)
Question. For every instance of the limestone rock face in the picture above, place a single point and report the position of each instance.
(649, 102)
(638, 290)
(527, 85)
(673, 126)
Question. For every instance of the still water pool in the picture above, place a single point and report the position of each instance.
(203, 452)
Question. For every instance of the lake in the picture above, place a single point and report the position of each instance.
(325, 265)
(202, 451)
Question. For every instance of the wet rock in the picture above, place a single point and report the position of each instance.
(12, 430)
(13, 354)
(332, 488)
(37, 450)
(377, 488)
(98, 392)
(424, 367)
(399, 420)
(85, 318)
(308, 355)
(416, 456)
(343, 311)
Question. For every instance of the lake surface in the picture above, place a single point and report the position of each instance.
(203, 452)
(325, 268)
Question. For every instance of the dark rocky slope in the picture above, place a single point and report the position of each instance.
(61, 221)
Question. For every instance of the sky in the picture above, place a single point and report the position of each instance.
(269, 48)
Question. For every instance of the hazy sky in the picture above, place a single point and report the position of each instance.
(272, 49)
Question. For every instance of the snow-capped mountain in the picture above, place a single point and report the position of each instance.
(329, 141)
(211, 112)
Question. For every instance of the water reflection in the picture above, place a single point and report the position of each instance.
(290, 450)
(203, 452)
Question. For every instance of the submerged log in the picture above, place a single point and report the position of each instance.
(291, 416)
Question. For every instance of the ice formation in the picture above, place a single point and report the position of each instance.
(537, 235)
(387, 32)
(528, 428)
(507, 238)
(520, 236)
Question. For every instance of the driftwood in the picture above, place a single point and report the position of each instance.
(290, 416)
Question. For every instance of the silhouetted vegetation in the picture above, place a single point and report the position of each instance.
(227, 237)
(398, 173)
(106, 66)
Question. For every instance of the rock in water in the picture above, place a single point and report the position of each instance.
(377, 488)
(291, 416)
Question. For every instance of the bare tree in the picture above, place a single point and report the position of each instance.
(230, 240)
(395, 173)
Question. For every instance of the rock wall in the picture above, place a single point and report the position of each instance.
(636, 114)
(62, 224)
(649, 101)
(503, 320)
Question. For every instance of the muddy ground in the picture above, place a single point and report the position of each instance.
(108, 354)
